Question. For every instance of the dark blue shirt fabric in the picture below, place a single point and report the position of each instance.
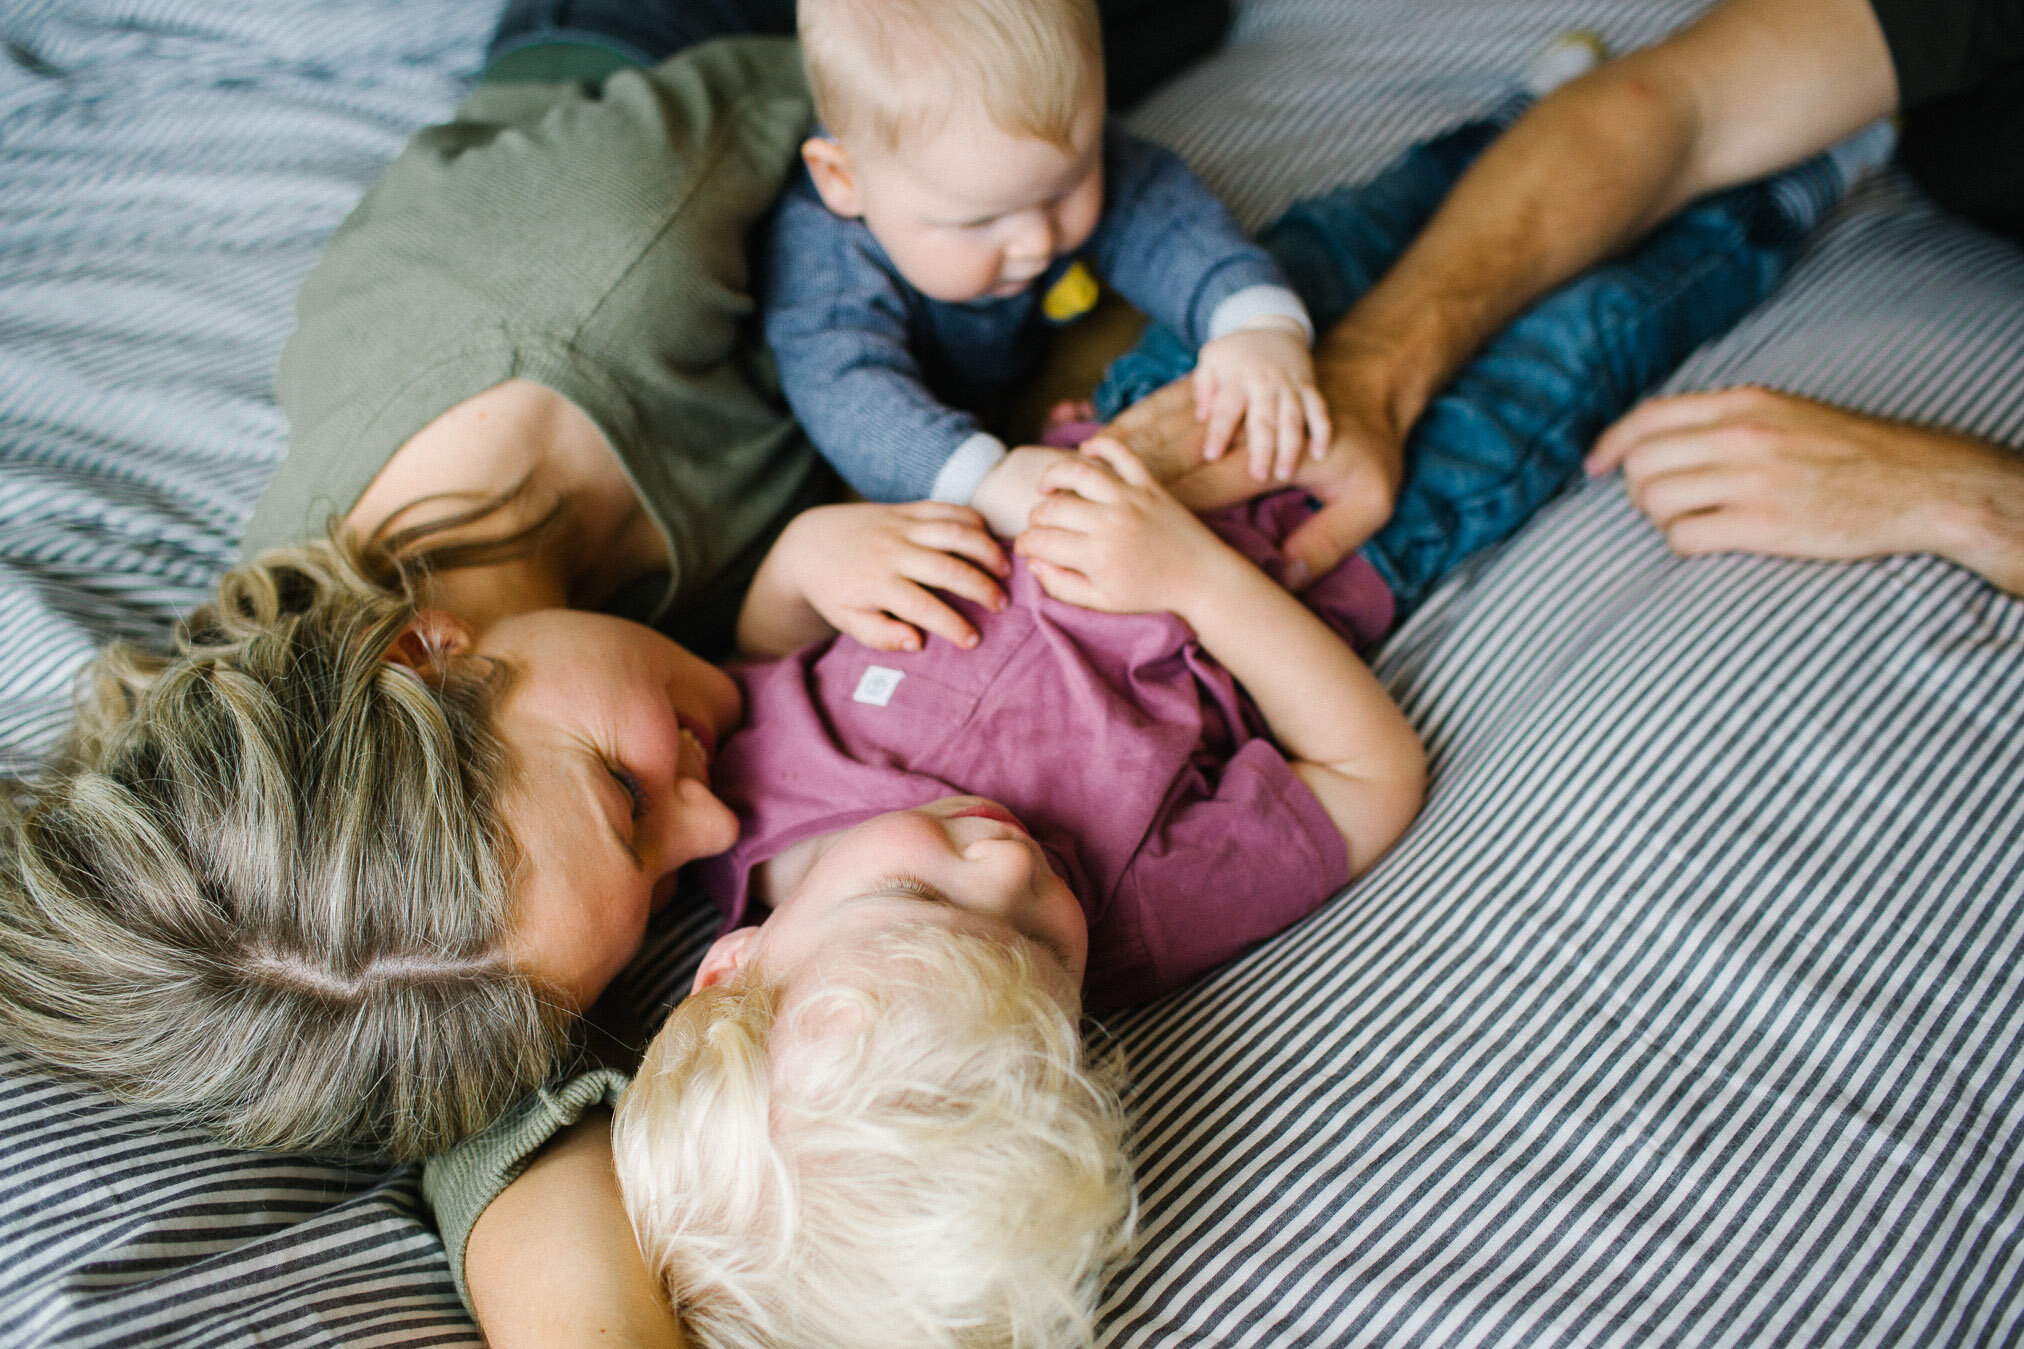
(1960, 72)
(888, 382)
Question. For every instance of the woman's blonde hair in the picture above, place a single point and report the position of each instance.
(265, 887)
(913, 1153)
(886, 70)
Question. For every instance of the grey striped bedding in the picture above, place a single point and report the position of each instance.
(1687, 1015)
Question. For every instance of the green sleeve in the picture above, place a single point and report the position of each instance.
(593, 242)
(461, 1183)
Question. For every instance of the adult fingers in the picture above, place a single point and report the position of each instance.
(1067, 513)
(1667, 497)
(1660, 417)
(1325, 538)
(1718, 531)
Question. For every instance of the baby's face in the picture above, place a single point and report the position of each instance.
(973, 212)
(962, 863)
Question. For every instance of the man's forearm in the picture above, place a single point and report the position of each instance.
(1578, 179)
(1752, 87)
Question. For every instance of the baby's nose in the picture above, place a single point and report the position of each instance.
(1036, 238)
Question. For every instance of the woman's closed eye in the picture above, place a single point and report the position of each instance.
(633, 790)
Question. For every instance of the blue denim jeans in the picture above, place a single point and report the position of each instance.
(1512, 427)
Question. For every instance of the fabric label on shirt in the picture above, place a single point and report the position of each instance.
(877, 685)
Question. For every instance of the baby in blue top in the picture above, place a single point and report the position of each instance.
(966, 194)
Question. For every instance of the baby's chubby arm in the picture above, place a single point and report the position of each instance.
(866, 568)
(1106, 536)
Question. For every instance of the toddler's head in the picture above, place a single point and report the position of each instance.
(876, 1126)
(967, 136)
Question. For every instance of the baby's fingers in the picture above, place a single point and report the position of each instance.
(1222, 409)
(961, 539)
(1261, 429)
(1291, 424)
(930, 567)
(877, 630)
(910, 604)
(1319, 432)
(1071, 587)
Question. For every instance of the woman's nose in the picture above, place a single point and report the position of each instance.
(687, 823)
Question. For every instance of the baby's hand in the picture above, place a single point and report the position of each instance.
(1107, 536)
(866, 568)
(1263, 377)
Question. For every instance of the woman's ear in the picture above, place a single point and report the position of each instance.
(430, 639)
(835, 181)
(726, 956)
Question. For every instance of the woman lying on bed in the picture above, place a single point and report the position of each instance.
(285, 887)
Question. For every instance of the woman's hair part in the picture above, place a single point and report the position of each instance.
(266, 888)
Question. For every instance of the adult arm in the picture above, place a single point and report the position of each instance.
(552, 1261)
(1751, 470)
(1753, 86)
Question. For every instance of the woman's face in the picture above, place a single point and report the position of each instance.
(611, 728)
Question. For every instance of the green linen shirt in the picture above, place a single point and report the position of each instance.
(593, 242)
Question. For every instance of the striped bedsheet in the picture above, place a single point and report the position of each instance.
(1688, 1014)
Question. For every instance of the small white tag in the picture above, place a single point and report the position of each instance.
(877, 685)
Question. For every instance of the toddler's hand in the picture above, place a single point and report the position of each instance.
(1107, 536)
(1263, 377)
(865, 567)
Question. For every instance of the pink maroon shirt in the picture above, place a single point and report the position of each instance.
(1132, 757)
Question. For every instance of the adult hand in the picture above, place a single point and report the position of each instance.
(1356, 481)
(1751, 470)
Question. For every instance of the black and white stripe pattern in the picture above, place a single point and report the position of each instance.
(1687, 1014)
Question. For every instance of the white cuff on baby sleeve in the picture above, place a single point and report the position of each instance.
(1253, 305)
(968, 466)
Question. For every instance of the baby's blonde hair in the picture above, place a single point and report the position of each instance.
(914, 1152)
(886, 70)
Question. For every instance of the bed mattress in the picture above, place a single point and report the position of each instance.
(1688, 1013)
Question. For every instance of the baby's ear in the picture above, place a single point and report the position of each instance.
(429, 640)
(726, 956)
(835, 181)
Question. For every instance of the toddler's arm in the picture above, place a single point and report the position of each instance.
(1106, 536)
(864, 568)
